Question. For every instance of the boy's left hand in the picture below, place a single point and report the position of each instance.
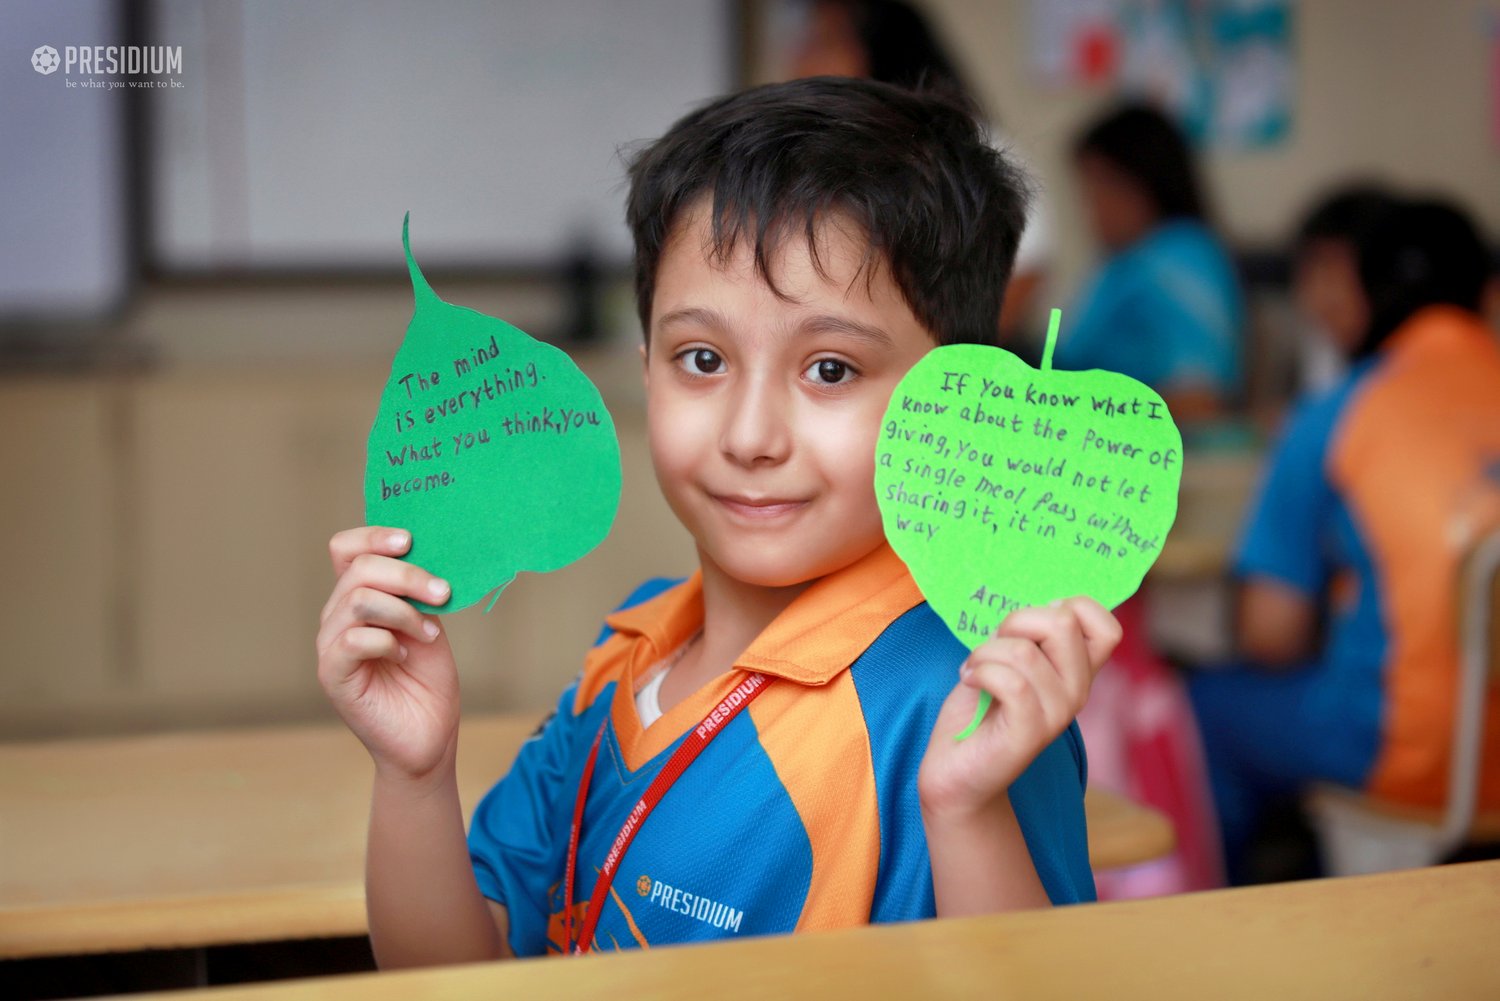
(1038, 665)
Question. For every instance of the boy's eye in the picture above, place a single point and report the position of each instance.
(702, 360)
(829, 372)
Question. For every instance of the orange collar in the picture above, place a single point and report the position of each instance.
(814, 638)
(1436, 325)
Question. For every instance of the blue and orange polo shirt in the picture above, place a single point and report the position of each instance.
(802, 813)
(1359, 505)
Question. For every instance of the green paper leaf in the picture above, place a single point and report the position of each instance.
(1003, 486)
(491, 448)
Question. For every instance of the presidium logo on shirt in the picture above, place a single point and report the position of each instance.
(710, 912)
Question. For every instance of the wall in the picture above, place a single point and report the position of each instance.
(1390, 88)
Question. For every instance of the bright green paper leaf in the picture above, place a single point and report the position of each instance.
(491, 448)
(1003, 486)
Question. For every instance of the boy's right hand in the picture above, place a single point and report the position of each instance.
(386, 667)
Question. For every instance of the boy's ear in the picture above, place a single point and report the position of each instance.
(645, 368)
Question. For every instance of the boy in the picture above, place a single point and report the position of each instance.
(798, 248)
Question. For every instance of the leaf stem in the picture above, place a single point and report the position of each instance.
(985, 698)
(1053, 322)
(420, 289)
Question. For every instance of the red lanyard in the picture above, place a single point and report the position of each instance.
(688, 750)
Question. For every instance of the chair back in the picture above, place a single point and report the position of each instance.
(1479, 669)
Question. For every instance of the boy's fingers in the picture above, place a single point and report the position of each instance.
(366, 606)
(1053, 698)
(1059, 632)
(352, 648)
(1054, 693)
(1102, 632)
(390, 575)
(1008, 650)
(351, 542)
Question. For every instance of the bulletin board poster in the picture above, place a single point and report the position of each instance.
(1225, 69)
(1075, 42)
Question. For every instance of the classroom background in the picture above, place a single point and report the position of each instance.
(202, 287)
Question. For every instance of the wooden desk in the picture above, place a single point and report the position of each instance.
(1422, 933)
(247, 836)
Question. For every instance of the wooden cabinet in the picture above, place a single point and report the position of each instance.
(60, 509)
(167, 538)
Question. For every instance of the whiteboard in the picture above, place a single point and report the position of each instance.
(305, 131)
(65, 173)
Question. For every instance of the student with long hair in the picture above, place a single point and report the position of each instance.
(894, 42)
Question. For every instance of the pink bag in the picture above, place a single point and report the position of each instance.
(1142, 743)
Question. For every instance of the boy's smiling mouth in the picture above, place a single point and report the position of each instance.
(755, 507)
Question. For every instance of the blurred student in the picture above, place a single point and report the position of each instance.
(1353, 528)
(1325, 279)
(1164, 305)
(893, 42)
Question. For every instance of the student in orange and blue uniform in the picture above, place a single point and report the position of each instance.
(1353, 526)
(798, 248)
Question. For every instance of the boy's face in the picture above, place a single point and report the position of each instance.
(764, 413)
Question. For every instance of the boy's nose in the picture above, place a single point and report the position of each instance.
(756, 427)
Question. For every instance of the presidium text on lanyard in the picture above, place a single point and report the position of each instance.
(740, 697)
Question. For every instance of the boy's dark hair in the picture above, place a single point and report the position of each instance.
(1423, 253)
(940, 207)
(1142, 143)
(1350, 214)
